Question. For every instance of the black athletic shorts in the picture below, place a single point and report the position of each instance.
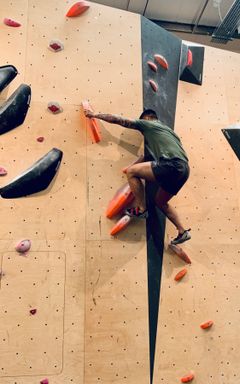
(171, 174)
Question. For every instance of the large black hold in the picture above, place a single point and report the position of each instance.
(36, 178)
(192, 73)
(7, 74)
(232, 135)
(13, 111)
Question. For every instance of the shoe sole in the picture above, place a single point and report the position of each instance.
(180, 241)
(137, 217)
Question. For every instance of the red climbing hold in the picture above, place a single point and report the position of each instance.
(55, 46)
(23, 246)
(11, 23)
(180, 252)
(207, 324)
(33, 311)
(3, 171)
(78, 8)
(161, 60)
(187, 378)
(189, 58)
(54, 107)
(153, 85)
(44, 381)
(120, 225)
(40, 139)
(152, 66)
(180, 274)
(120, 200)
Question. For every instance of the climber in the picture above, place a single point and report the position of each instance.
(169, 169)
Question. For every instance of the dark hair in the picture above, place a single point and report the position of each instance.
(149, 112)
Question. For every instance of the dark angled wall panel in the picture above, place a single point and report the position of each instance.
(155, 40)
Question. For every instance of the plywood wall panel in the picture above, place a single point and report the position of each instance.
(60, 314)
(117, 328)
(73, 73)
(209, 204)
(20, 149)
(97, 290)
(101, 61)
(36, 283)
(13, 41)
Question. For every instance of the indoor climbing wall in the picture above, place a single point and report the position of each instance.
(74, 308)
(209, 204)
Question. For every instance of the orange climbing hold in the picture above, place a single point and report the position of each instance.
(92, 123)
(95, 129)
(120, 200)
(152, 66)
(189, 58)
(162, 61)
(138, 160)
(187, 378)
(207, 324)
(180, 252)
(153, 85)
(120, 225)
(78, 8)
(180, 274)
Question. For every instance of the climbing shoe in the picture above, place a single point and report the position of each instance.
(182, 237)
(135, 212)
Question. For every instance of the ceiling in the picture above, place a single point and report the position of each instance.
(177, 11)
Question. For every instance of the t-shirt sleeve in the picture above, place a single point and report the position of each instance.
(142, 125)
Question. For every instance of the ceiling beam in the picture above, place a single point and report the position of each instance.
(200, 16)
(138, 6)
(188, 28)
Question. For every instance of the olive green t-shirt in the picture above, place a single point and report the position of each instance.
(160, 140)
